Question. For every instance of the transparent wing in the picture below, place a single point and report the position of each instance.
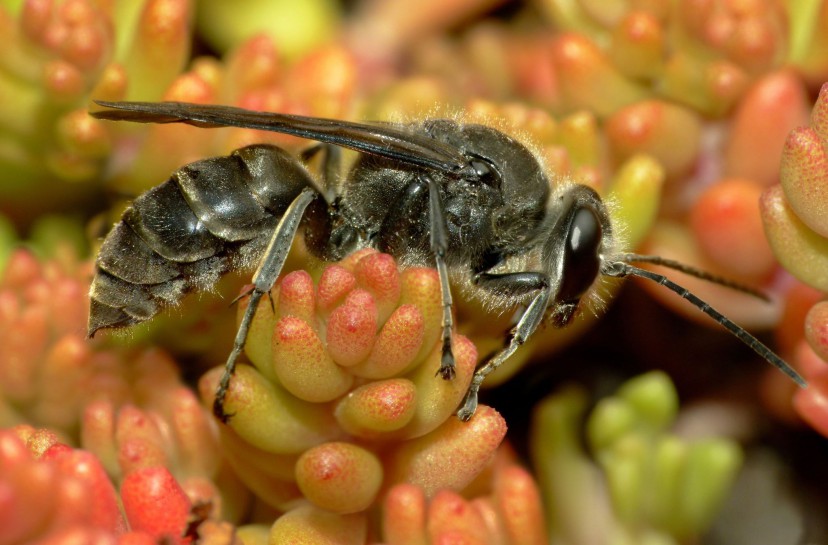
(386, 140)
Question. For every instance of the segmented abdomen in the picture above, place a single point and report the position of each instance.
(210, 217)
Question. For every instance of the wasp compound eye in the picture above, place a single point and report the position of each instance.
(581, 262)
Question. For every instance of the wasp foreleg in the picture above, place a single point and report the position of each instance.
(516, 283)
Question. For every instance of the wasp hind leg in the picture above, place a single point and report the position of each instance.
(263, 280)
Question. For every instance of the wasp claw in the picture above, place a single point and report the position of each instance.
(469, 406)
(447, 372)
(447, 367)
(218, 410)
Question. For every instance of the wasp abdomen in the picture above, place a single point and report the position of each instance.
(182, 235)
(164, 220)
(127, 256)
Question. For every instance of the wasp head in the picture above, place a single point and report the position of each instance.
(576, 240)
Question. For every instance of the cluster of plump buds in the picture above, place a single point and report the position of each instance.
(640, 482)
(501, 507)
(343, 400)
(714, 220)
(794, 214)
(53, 493)
(50, 371)
(59, 54)
(164, 429)
(56, 54)
(126, 407)
(585, 55)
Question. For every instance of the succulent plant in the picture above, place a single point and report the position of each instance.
(691, 118)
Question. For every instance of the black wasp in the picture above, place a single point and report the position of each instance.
(465, 198)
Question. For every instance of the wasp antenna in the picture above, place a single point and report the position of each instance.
(692, 271)
(622, 268)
